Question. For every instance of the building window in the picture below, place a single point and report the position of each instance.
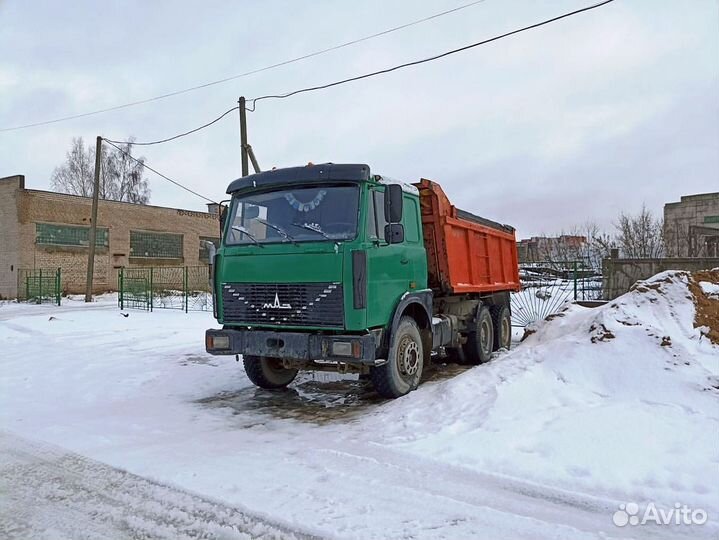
(204, 254)
(69, 235)
(155, 245)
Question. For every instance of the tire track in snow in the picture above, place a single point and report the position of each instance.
(436, 485)
(46, 492)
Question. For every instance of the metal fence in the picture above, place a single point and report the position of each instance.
(547, 285)
(166, 287)
(39, 285)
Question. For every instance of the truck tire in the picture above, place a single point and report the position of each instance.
(480, 339)
(267, 372)
(405, 361)
(502, 319)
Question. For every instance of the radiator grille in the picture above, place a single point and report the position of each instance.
(295, 304)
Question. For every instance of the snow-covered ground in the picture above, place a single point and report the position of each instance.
(600, 407)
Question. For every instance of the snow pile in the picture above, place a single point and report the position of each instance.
(621, 401)
(710, 289)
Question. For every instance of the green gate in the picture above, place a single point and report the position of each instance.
(166, 287)
(135, 286)
(40, 285)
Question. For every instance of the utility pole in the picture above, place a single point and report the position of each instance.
(243, 137)
(93, 222)
(253, 159)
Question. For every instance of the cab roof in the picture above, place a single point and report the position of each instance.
(356, 172)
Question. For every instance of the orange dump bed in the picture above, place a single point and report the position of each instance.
(465, 253)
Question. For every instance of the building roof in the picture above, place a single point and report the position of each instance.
(20, 179)
(310, 173)
(696, 197)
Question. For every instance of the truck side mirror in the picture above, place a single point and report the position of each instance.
(393, 203)
(222, 214)
(394, 233)
(211, 252)
(223, 218)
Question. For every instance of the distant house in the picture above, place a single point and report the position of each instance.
(550, 248)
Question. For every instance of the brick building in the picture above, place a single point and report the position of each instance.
(544, 248)
(43, 229)
(691, 226)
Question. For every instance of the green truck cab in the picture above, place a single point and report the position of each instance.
(324, 267)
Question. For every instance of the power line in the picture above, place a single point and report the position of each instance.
(111, 143)
(424, 60)
(247, 73)
(208, 124)
(368, 75)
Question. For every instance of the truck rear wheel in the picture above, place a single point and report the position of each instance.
(267, 372)
(405, 361)
(480, 339)
(502, 319)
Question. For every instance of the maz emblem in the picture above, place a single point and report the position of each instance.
(276, 304)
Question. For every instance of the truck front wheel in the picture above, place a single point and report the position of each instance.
(403, 370)
(267, 372)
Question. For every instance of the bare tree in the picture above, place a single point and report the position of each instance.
(640, 236)
(121, 176)
(598, 245)
(76, 174)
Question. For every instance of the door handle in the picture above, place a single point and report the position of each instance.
(403, 260)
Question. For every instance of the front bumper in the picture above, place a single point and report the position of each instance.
(356, 349)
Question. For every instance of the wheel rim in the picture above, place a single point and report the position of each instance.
(275, 366)
(506, 332)
(484, 336)
(408, 357)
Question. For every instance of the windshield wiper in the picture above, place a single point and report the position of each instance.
(313, 228)
(283, 233)
(244, 231)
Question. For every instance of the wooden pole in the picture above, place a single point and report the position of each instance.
(93, 222)
(243, 137)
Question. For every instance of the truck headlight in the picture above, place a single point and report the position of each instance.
(218, 342)
(347, 348)
(341, 348)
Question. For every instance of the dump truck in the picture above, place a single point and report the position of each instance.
(333, 267)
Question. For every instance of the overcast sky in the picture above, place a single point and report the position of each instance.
(571, 122)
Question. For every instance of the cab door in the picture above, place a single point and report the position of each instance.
(414, 244)
(389, 266)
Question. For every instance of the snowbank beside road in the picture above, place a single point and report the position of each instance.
(621, 400)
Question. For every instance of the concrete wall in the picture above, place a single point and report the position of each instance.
(688, 225)
(618, 275)
(10, 189)
(21, 210)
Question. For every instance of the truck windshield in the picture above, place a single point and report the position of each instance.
(300, 214)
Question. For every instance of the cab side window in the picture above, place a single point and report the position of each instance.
(375, 215)
(411, 227)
